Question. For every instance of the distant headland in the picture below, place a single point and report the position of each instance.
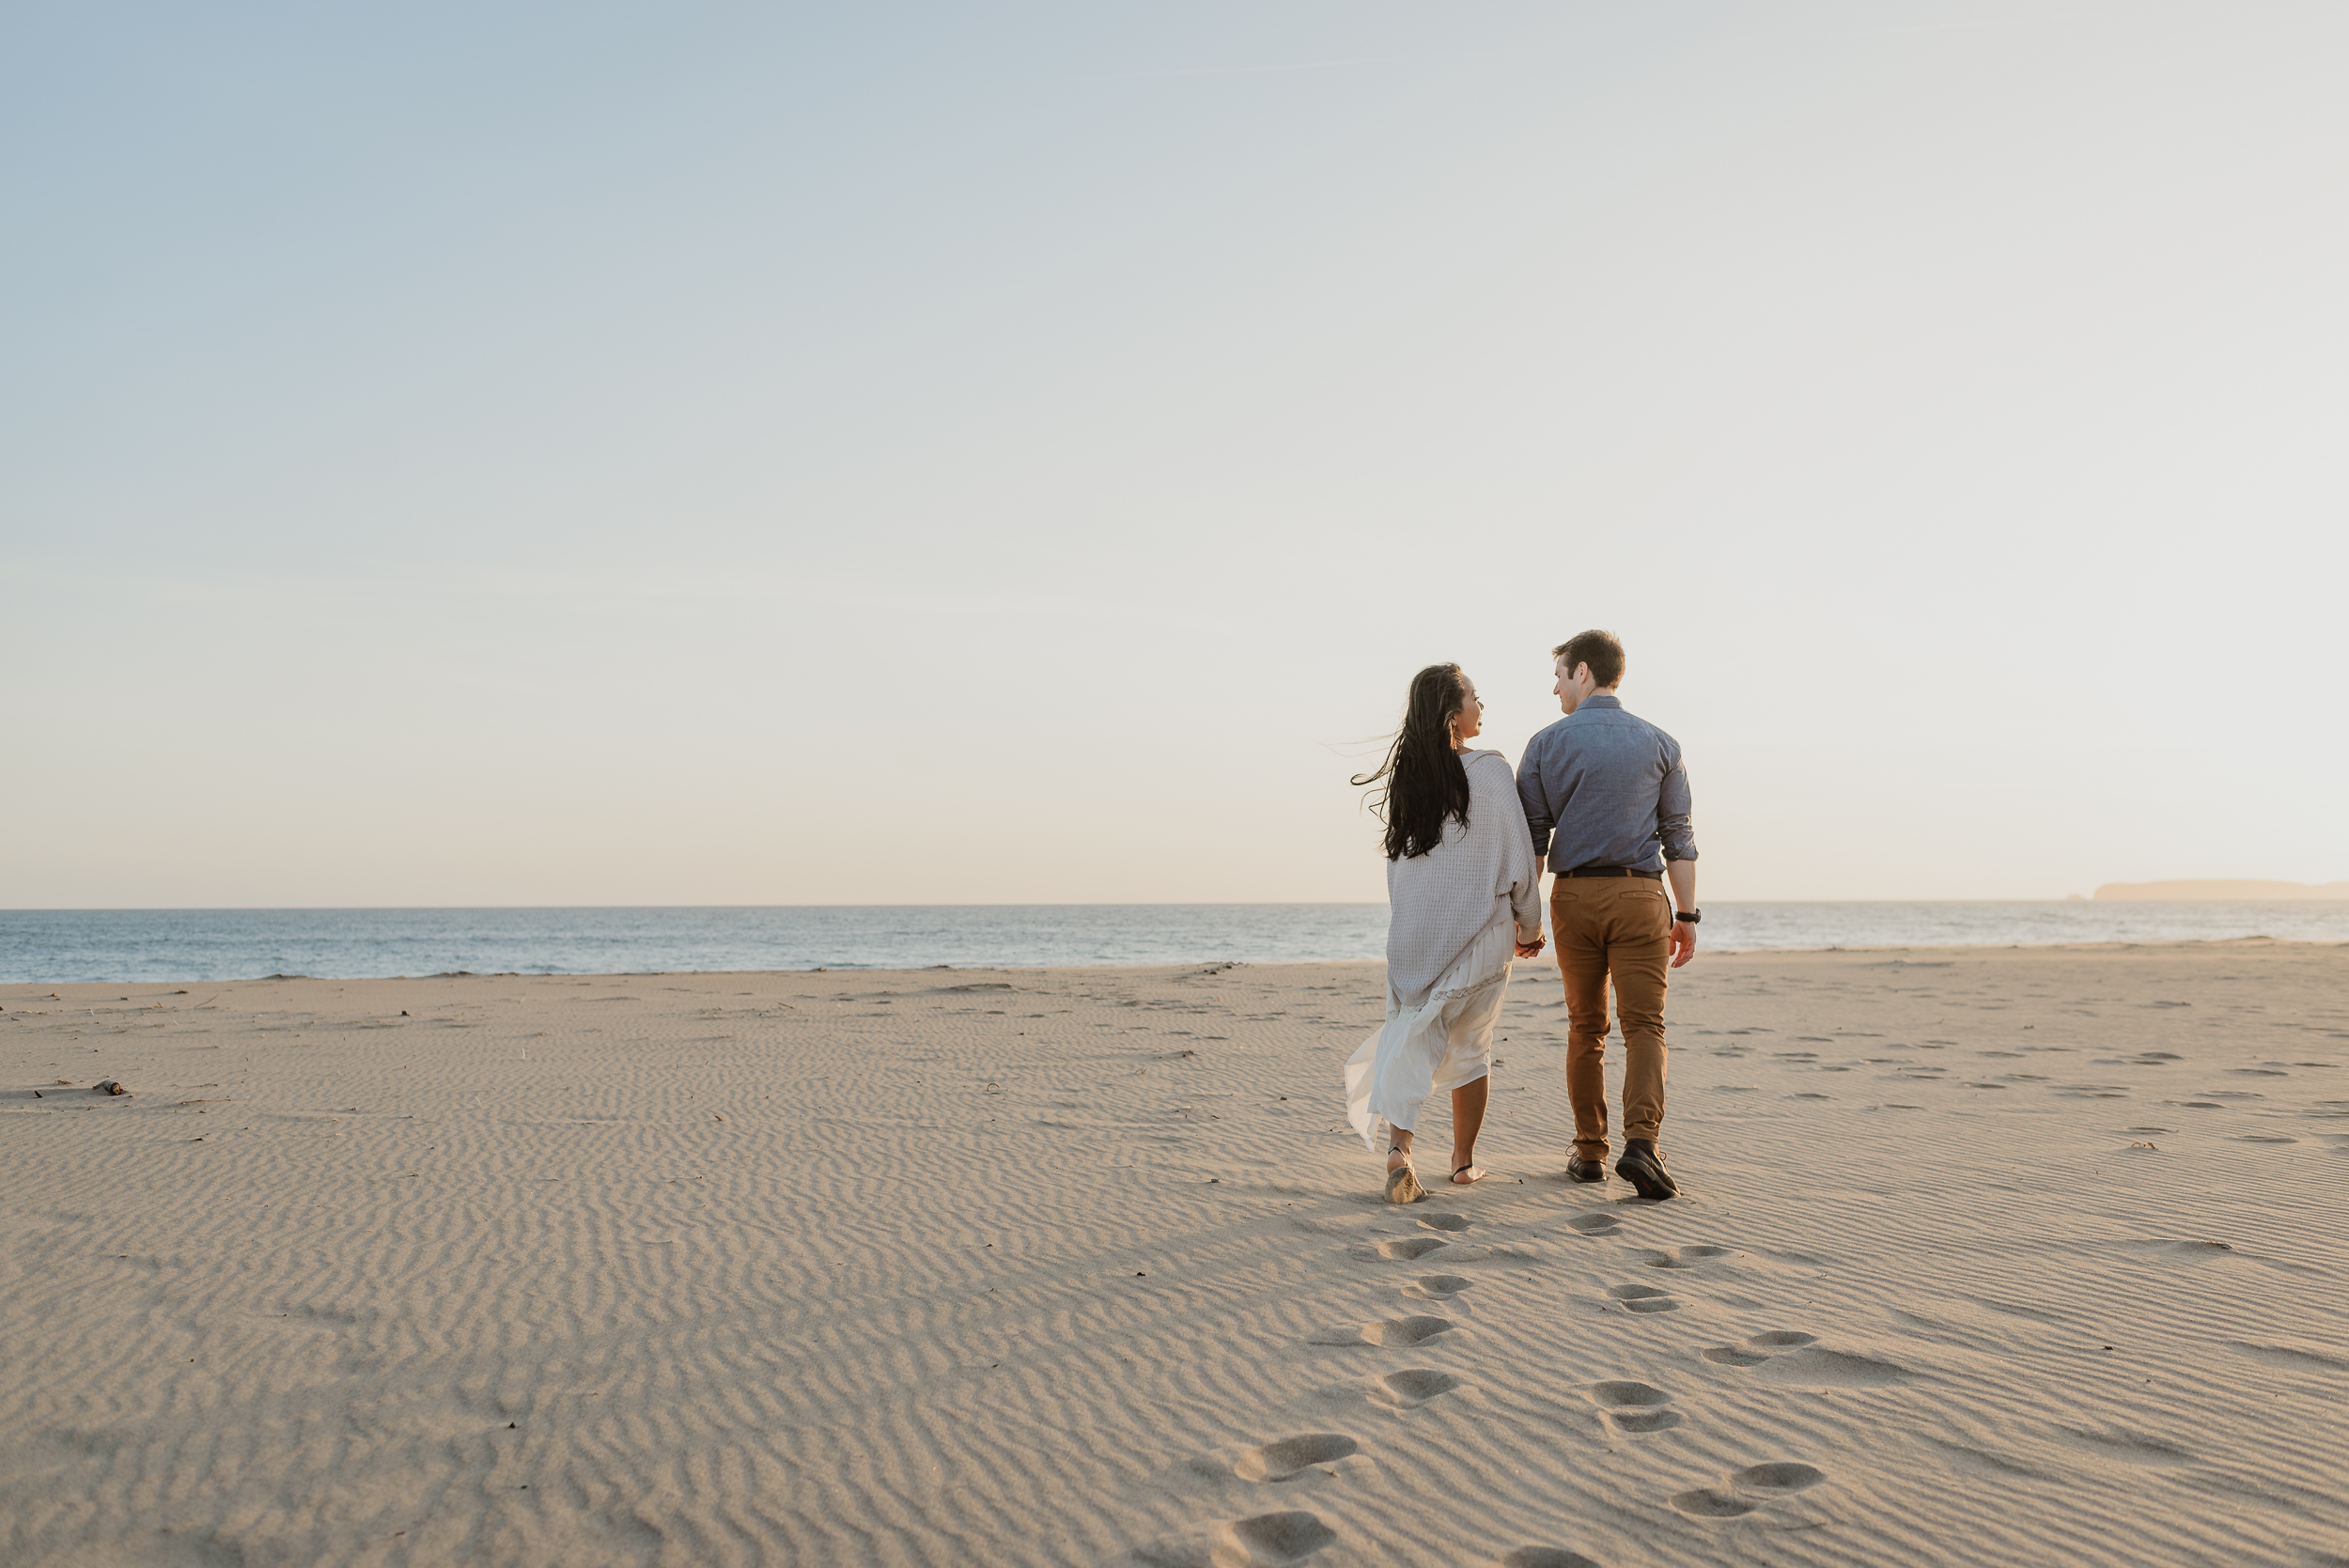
(2226, 892)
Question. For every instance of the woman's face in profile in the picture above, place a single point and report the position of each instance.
(1470, 721)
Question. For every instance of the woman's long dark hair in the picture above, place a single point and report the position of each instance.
(1422, 782)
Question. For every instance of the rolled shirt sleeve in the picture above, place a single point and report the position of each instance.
(1672, 806)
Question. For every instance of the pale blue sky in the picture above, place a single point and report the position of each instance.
(601, 455)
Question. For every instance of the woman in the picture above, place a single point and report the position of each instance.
(1462, 900)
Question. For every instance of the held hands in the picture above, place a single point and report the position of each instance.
(1531, 949)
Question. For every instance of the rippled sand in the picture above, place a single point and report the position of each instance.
(1983, 1256)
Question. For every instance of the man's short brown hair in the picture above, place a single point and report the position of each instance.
(1601, 650)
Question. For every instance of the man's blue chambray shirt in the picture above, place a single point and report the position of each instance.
(1605, 788)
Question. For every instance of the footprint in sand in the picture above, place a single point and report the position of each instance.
(1392, 1333)
(1289, 1537)
(1413, 1387)
(1265, 1538)
(1407, 1330)
(1780, 1478)
(1748, 1489)
(1685, 1257)
(1594, 1225)
(1411, 1246)
(1547, 1557)
(1454, 1224)
(1712, 1502)
(1643, 1298)
(1435, 1287)
(1791, 1356)
(1289, 1458)
(1634, 1407)
(1758, 1349)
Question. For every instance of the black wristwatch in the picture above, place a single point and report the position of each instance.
(1691, 916)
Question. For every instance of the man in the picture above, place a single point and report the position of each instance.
(1608, 801)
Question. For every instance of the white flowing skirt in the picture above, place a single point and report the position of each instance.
(1442, 1044)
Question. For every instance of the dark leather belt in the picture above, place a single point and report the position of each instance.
(1608, 871)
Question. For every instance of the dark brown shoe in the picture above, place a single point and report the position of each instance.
(1643, 1168)
(1580, 1170)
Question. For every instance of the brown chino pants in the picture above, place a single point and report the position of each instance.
(1617, 927)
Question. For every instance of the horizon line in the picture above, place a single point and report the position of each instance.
(1067, 904)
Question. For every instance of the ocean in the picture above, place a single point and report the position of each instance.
(70, 945)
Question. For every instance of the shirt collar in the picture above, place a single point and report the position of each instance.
(1599, 699)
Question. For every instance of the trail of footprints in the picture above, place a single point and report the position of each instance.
(1635, 1407)
(1292, 1535)
(1628, 1407)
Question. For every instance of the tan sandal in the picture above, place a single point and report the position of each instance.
(1403, 1182)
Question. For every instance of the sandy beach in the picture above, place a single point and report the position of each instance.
(1983, 1257)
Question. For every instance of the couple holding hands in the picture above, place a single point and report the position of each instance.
(1601, 799)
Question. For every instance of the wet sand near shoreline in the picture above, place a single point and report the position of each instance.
(1983, 1256)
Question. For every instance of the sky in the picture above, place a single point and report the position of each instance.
(496, 454)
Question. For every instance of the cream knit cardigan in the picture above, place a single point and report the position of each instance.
(1437, 903)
